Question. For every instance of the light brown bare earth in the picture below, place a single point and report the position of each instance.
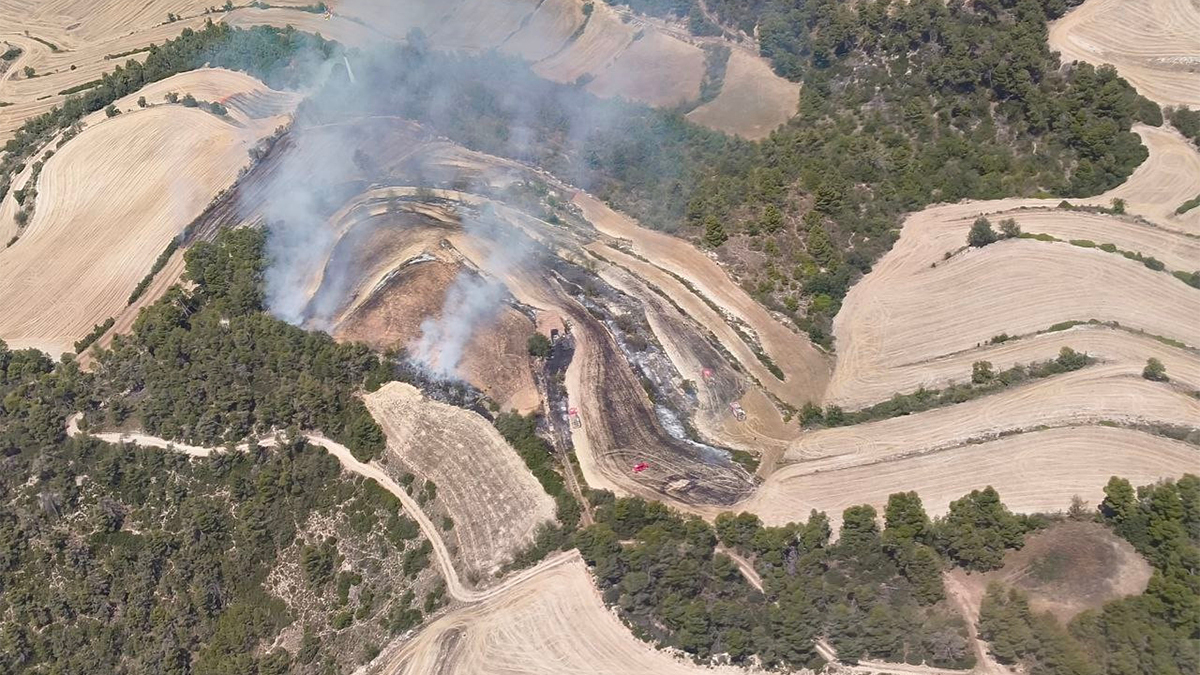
(1034, 472)
(495, 502)
(553, 622)
(1155, 44)
(752, 100)
(1068, 568)
(84, 250)
(915, 306)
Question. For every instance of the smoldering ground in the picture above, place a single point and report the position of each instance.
(488, 101)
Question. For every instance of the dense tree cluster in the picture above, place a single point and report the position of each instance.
(875, 593)
(157, 560)
(209, 366)
(1155, 633)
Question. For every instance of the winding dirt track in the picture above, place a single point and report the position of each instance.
(546, 619)
(1155, 44)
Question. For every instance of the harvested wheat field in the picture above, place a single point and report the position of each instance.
(1168, 177)
(604, 38)
(475, 24)
(1175, 249)
(753, 101)
(548, 28)
(656, 69)
(1067, 568)
(83, 251)
(553, 622)
(1034, 472)
(30, 97)
(1107, 343)
(1154, 44)
(495, 502)
(806, 369)
(1093, 394)
(915, 306)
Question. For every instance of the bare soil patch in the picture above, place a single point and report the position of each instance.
(753, 101)
(1068, 568)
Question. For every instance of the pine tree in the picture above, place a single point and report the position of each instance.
(981, 233)
(714, 232)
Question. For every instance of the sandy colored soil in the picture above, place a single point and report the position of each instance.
(906, 311)
(603, 39)
(495, 501)
(806, 369)
(472, 24)
(1100, 392)
(497, 361)
(1169, 177)
(84, 251)
(1110, 345)
(546, 30)
(554, 622)
(1177, 252)
(1068, 568)
(1154, 44)
(388, 296)
(1037, 471)
(656, 69)
(753, 101)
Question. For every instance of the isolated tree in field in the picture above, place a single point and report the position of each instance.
(1009, 228)
(29, 72)
(1155, 370)
(981, 233)
(141, 101)
(111, 111)
(538, 345)
(171, 97)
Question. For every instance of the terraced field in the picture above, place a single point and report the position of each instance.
(83, 252)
